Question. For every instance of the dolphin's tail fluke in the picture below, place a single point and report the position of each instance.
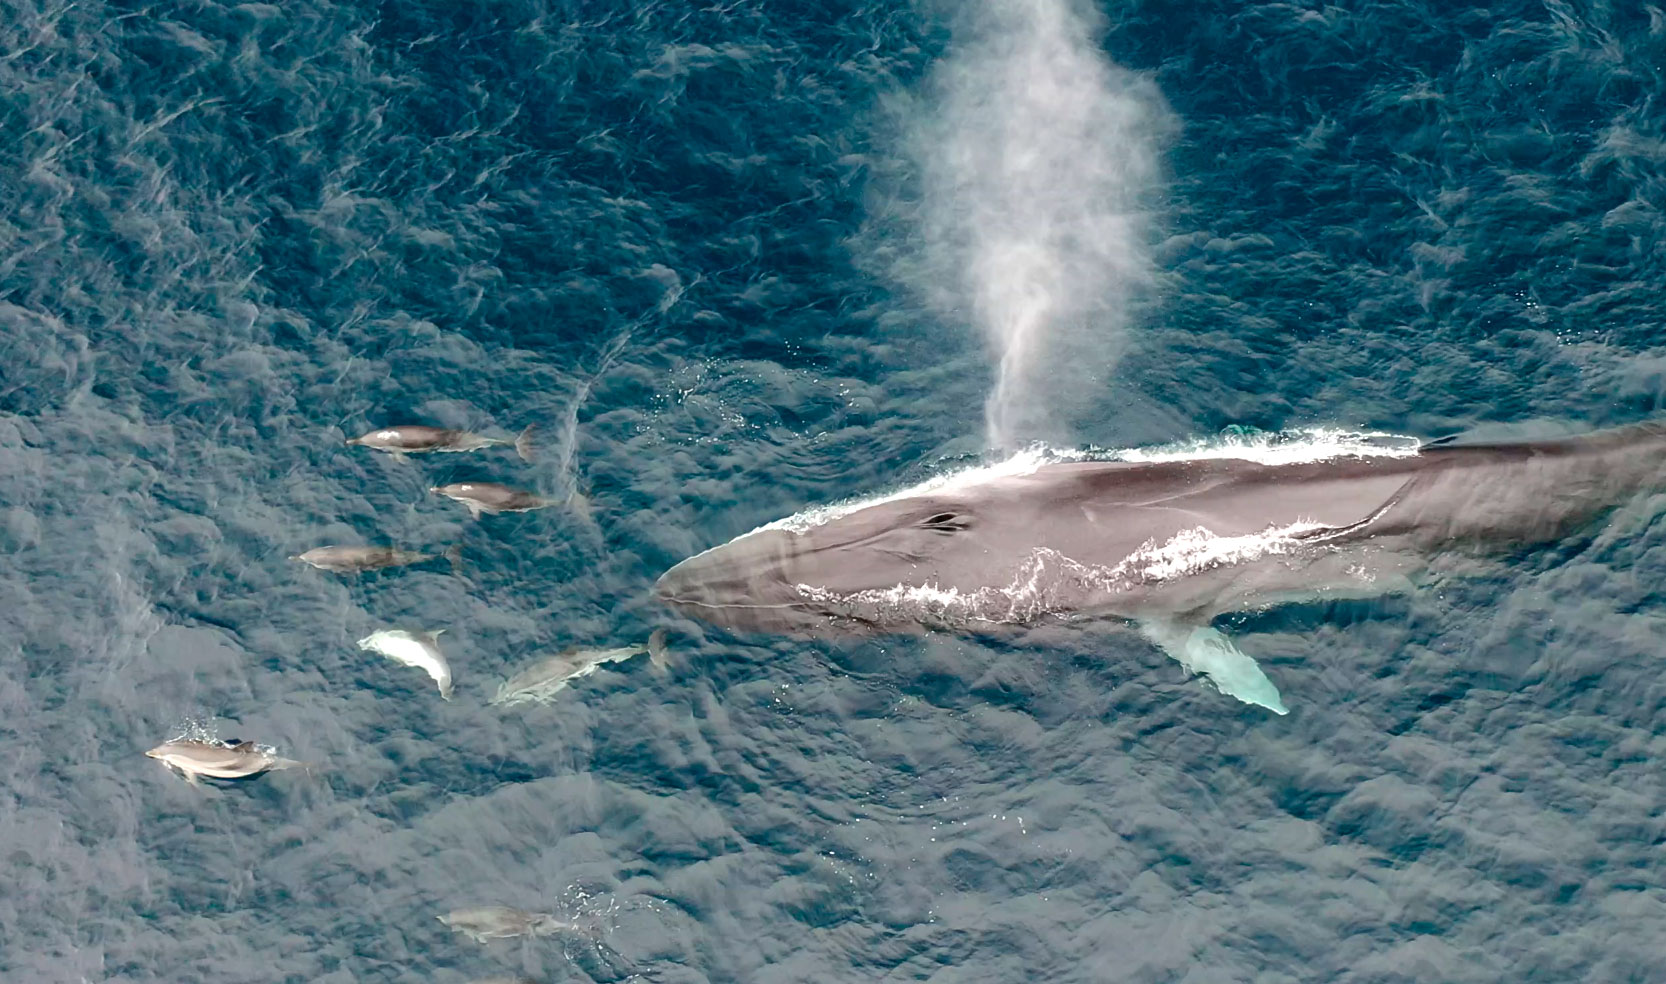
(657, 653)
(523, 443)
(454, 555)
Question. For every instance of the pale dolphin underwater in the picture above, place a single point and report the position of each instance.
(1168, 544)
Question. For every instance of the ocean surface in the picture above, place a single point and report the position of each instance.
(738, 259)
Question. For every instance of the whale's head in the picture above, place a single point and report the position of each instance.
(832, 575)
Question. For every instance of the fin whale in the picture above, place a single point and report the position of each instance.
(1167, 545)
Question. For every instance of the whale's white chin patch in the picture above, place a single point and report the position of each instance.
(1049, 582)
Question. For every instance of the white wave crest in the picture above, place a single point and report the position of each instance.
(1192, 551)
(1023, 463)
(1048, 581)
(1293, 447)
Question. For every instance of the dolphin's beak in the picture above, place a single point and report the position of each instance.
(153, 753)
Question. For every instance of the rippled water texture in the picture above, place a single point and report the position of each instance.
(692, 244)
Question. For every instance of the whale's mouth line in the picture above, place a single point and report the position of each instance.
(723, 607)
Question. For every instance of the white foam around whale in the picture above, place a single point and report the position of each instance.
(1277, 448)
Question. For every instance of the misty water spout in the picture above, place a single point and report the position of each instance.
(1037, 157)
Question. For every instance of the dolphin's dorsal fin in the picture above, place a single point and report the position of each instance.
(240, 746)
(523, 443)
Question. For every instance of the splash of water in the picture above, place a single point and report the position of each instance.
(1037, 157)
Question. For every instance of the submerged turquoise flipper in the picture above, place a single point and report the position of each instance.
(1206, 650)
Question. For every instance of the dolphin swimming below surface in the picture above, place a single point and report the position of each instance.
(543, 680)
(490, 497)
(354, 560)
(1168, 544)
(499, 922)
(416, 649)
(407, 439)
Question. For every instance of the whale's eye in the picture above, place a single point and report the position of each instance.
(945, 523)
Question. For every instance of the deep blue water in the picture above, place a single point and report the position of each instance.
(693, 244)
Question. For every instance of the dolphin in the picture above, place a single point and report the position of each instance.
(490, 497)
(499, 922)
(353, 560)
(540, 682)
(1167, 545)
(416, 649)
(218, 759)
(407, 439)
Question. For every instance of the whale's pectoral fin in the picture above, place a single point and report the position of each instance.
(1206, 650)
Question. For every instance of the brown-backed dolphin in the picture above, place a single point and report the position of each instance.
(419, 439)
(490, 497)
(352, 560)
(1166, 544)
(192, 758)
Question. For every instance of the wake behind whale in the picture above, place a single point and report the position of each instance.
(1166, 541)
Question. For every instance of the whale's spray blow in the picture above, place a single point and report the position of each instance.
(1036, 156)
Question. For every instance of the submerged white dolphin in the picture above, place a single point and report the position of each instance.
(417, 649)
(1166, 544)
